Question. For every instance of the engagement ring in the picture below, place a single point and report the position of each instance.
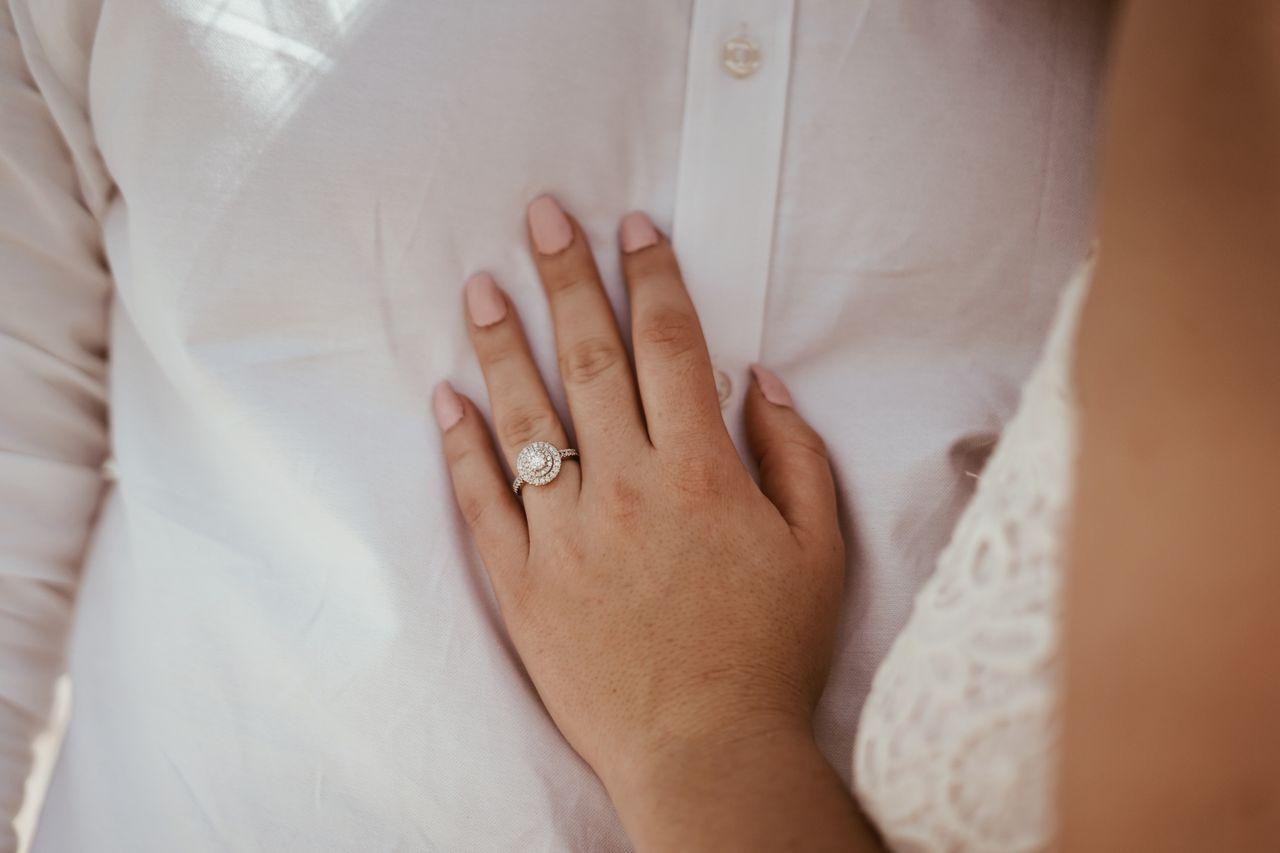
(538, 463)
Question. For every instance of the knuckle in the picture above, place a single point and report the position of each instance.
(589, 359)
(791, 440)
(459, 454)
(700, 476)
(805, 444)
(790, 453)
(475, 509)
(672, 332)
(622, 499)
(498, 354)
(518, 598)
(655, 264)
(521, 426)
(569, 280)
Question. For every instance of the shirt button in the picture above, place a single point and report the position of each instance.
(723, 387)
(741, 56)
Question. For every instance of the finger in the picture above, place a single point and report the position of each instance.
(593, 361)
(795, 472)
(481, 490)
(673, 368)
(522, 411)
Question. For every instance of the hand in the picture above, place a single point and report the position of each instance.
(658, 598)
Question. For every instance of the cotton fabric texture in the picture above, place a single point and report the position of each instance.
(232, 240)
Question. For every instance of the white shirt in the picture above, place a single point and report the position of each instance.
(237, 232)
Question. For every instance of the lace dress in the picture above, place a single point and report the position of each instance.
(956, 745)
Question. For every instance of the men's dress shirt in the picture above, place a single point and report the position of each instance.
(232, 240)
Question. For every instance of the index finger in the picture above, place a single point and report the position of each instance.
(673, 367)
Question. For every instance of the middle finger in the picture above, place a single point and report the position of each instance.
(597, 375)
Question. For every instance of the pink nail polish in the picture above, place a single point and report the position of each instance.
(771, 386)
(447, 405)
(550, 228)
(485, 302)
(637, 232)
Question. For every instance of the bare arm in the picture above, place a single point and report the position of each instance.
(1173, 628)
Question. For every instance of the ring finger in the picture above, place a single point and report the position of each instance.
(522, 410)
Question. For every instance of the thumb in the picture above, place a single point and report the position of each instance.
(795, 472)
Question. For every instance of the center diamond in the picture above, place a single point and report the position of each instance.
(538, 463)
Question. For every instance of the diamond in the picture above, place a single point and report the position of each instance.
(538, 463)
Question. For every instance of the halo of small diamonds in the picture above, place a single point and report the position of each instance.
(538, 463)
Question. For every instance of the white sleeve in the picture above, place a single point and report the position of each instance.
(54, 295)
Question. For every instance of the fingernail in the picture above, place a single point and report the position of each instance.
(637, 232)
(484, 300)
(551, 230)
(447, 405)
(771, 386)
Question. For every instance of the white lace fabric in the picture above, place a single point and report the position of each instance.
(956, 746)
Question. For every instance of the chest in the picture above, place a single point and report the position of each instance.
(366, 151)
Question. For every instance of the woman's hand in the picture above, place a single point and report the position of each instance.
(662, 603)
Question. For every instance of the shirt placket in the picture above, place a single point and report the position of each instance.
(727, 185)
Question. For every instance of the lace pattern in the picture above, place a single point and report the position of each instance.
(956, 744)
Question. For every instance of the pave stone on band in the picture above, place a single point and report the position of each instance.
(538, 463)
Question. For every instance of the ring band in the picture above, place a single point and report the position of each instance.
(538, 463)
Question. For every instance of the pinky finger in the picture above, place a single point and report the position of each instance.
(481, 489)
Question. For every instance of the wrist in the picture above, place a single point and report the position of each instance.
(695, 740)
(679, 778)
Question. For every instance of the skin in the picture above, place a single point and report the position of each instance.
(676, 619)
(1172, 630)
(683, 665)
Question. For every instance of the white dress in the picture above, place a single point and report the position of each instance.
(957, 741)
